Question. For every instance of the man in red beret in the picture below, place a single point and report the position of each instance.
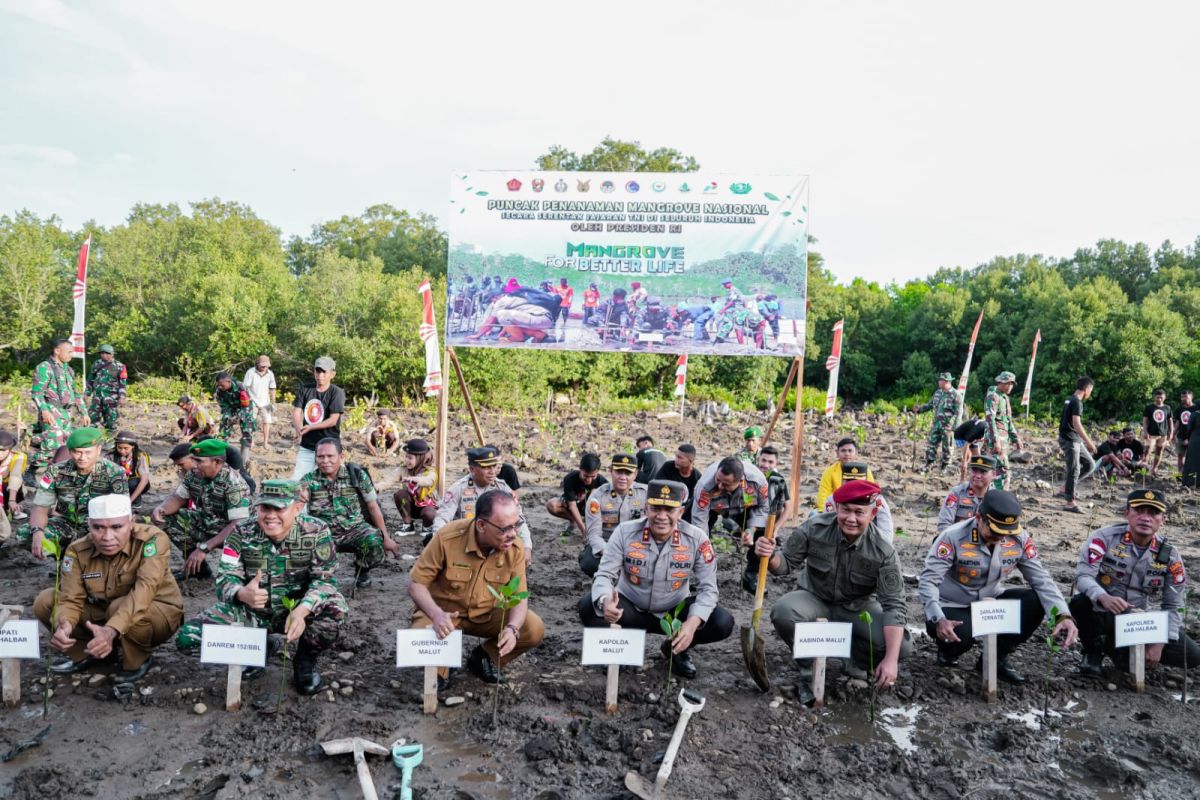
(848, 568)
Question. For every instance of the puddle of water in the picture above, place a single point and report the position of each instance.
(901, 725)
(135, 728)
(896, 725)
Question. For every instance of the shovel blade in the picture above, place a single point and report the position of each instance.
(640, 786)
(754, 653)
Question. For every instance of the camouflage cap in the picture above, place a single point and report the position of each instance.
(671, 494)
(278, 493)
(624, 462)
(209, 448)
(945, 376)
(1006, 377)
(84, 437)
(107, 348)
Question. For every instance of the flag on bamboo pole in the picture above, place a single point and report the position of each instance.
(79, 295)
(681, 375)
(1029, 378)
(833, 364)
(966, 373)
(429, 335)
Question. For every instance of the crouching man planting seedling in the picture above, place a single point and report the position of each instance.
(454, 583)
(117, 597)
(280, 554)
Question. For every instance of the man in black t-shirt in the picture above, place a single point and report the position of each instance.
(1073, 440)
(649, 459)
(1131, 451)
(316, 413)
(1183, 416)
(968, 437)
(1156, 426)
(682, 470)
(508, 474)
(1108, 456)
(576, 487)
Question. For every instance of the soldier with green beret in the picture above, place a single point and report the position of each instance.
(65, 488)
(280, 553)
(339, 492)
(944, 404)
(752, 437)
(1001, 432)
(219, 496)
(106, 382)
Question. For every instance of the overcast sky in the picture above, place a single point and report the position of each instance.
(935, 134)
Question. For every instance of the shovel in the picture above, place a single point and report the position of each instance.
(753, 649)
(406, 757)
(359, 747)
(689, 703)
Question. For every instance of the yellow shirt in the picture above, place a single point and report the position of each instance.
(11, 470)
(831, 480)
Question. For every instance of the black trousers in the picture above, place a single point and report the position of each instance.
(1031, 617)
(589, 562)
(1097, 636)
(718, 627)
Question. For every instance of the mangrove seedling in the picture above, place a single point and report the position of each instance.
(1052, 647)
(289, 604)
(506, 598)
(865, 616)
(52, 548)
(670, 624)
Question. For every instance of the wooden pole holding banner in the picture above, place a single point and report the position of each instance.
(462, 385)
(10, 668)
(442, 424)
(787, 385)
(989, 668)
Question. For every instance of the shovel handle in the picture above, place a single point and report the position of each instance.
(365, 781)
(761, 591)
(664, 772)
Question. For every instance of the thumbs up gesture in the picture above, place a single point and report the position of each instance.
(612, 608)
(252, 594)
(101, 642)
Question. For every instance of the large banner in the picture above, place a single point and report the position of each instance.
(666, 262)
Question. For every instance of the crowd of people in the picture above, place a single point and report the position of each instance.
(650, 533)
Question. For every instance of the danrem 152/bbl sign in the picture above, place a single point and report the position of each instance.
(668, 262)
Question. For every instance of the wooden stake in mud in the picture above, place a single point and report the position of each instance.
(818, 677)
(1137, 665)
(442, 425)
(787, 385)
(429, 693)
(462, 385)
(610, 689)
(233, 686)
(989, 668)
(11, 667)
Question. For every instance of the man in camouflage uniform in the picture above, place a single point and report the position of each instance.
(237, 410)
(67, 487)
(483, 464)
(944, 405)
(337, 490)
(106, 386)
(54, 396)
(280, 554)
(1001, 432)
(219, 496)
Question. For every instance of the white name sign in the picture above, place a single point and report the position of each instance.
(19, 639)
(821, 640)
(1144, 628)
(420, 647)
(233, 644)
(995, 616)
(626, 646)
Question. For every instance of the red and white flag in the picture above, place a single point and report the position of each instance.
(833, 364)
(433, 364)
(681, 375)
(966, 373)
(79, 295)
(1037, 338)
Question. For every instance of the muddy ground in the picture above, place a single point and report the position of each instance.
(933, 738)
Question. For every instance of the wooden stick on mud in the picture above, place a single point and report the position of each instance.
(818, 677)
(233, 688)
(989, 668)
(610, 688)
(787, 385)
(462, 385)
(1137, 665)
(10, 667)
(429, 694)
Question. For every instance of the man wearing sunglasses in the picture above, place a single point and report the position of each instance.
(450, 583)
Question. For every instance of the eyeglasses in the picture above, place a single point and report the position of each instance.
(507, 529)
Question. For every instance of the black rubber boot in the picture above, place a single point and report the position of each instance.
(304, 670)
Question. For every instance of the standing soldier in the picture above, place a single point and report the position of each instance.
(54, 396)
(237, 410)
(963, 500)
(944, 404)
(211, 495)
(338, 494)
(620, 500)
(281, 553)
(752, 439)
(106, 386)
(640, 578)
(1127, 566)
(68, 486)
(1001, 432)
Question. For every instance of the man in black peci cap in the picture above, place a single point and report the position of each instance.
(969, 561)
(1129, 566)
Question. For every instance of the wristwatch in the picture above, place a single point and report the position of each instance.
(516, 631)
(203, 547)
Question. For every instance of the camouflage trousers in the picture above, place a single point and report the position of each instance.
(363, 540)
(244, 418)
(940, 435)
(321, 628)
(105, 411)
(989, 444)
(186, 529)
(52, 436)
(61, 530)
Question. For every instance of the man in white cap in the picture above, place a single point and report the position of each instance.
(316, 413)
(117, 596)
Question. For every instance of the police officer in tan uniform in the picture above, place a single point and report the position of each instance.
(963, 499)
(1130, 566)
(970, 561)
(117, 594)
(483, 464)
(648, 569)
(620, 500)
(449, 585)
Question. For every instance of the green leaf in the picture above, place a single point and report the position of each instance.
(495, 594)
(865, 616)
(665, 625)
(50, 547)
(675, 626)
(514, 584)
(519, 596)
(679, 609)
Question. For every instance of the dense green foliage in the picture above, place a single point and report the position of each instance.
(184, 294)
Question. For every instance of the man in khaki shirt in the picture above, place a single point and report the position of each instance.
(117, 594)
(449, 585)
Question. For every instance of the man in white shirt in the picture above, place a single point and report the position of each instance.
(260, 383)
